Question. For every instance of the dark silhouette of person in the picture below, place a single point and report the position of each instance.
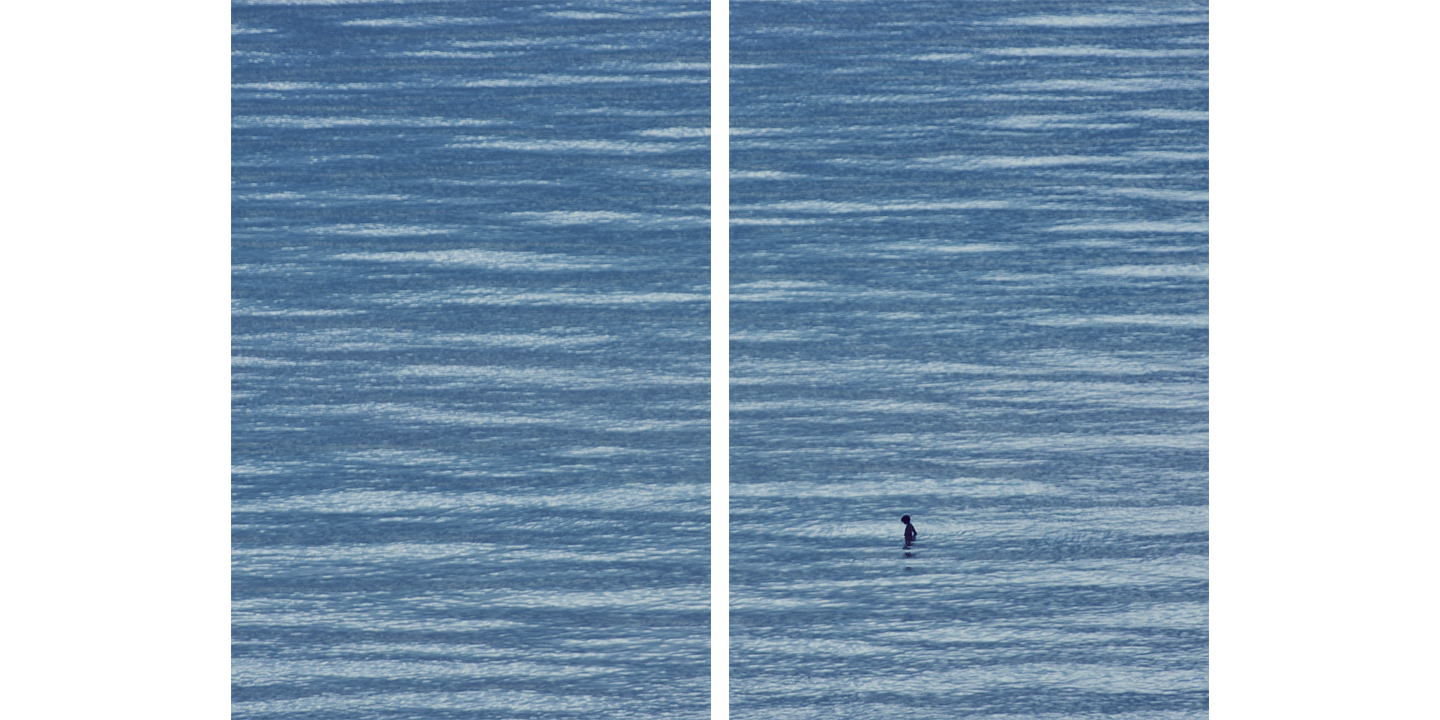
(910, 533)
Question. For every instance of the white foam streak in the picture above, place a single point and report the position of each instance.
(1197, 196)
(618, 147)
(1137, 226)
(1107, 20)
(1108, 85)
(378, 230)
(1094, 51)
(489, 259)
(309, 123)
(1194, 271)
(1172, 114)
(832, 207)
(639, 497)
(609, 217)
(1191, 321)
(988, 162)
(677, 132)
(561, 80)
(419, 21)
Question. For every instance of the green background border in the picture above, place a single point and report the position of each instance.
(117, 360)
(117, 416)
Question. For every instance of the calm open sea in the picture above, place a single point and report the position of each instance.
(969, 284)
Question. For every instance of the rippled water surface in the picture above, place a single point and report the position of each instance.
(969, 283)
(471, 360)
(969, 267)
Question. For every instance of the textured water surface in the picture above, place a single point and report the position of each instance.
(969, 260)
(471, 360)
(969, 283)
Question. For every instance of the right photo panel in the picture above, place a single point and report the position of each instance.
(969, 360)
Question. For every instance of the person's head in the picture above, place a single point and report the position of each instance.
(905, 519)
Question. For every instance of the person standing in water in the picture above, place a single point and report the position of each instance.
(910, 533)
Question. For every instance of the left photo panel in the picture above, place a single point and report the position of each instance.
(470, 423)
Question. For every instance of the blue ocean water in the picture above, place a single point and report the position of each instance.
(969, 284)
(471, 345)
(969, 260)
